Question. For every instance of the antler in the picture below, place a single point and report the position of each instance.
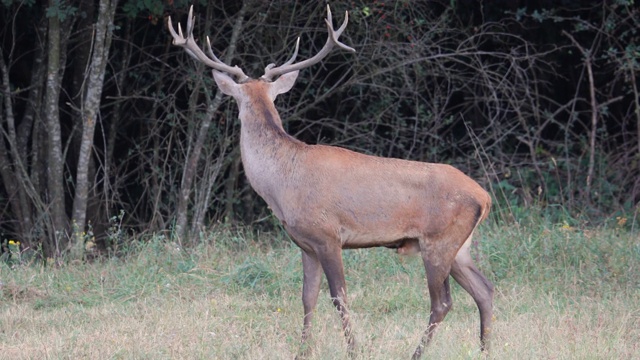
(190, 46)
(272, 71)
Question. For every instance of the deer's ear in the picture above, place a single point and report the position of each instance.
(225, 83)
(283, 84)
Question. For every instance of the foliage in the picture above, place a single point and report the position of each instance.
(61, 9)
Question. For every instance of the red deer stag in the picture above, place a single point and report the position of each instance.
(329, 198)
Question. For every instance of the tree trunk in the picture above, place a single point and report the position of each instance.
(55, 160)
(13, 174)
(90, 108)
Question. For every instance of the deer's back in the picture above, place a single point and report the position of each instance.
(354, 196)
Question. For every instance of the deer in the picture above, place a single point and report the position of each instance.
(330, 198)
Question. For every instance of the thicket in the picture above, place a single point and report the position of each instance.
(109, 130)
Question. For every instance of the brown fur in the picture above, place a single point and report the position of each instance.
(330, 198)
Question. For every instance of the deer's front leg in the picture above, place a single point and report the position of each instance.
(310, 289)
(331, 260)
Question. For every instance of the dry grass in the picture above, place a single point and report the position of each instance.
(234, 300)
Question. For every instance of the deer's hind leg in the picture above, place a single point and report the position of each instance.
(476, 284)
(437, 267)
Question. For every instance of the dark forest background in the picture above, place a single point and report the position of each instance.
(108, 130)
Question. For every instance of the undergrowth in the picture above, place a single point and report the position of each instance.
(551, 277)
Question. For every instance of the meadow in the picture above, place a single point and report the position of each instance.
(562, 292)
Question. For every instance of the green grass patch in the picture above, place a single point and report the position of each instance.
(561, 292)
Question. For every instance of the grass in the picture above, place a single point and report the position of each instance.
(561, 293)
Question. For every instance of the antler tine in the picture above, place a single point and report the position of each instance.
(190, 46)
(290, 61)
(336, 34)
(329, 19)
(191, 20)
(271, 72)
(295, 53)
(344, 25)
(210, 51)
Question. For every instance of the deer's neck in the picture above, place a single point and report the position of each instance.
(269, 154)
